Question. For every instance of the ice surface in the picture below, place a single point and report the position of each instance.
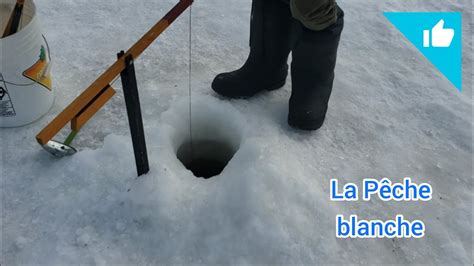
(391, 115)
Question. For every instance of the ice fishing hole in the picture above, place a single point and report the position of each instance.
(206, 158)
(217, 130)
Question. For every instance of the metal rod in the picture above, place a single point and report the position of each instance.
(132, 101)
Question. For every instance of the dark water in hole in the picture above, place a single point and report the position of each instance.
(205, 168)
(207, 159)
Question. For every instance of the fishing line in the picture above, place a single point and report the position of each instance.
(190, 83)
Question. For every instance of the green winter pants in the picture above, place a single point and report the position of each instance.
(314, 14)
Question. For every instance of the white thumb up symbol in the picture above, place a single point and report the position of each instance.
(440, 37)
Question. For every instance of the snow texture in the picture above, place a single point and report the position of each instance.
(392, 114)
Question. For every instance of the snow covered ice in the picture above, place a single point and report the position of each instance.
(392, 114)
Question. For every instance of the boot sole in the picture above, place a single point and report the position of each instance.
(273, 87)
(276, 86)
(306, 125)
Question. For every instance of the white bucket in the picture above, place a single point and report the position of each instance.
(26, 93)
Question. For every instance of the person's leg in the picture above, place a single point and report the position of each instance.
(314, 14)
(314, 61)
(266, 67)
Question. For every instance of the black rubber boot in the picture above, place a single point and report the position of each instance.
(266, 67)
(312, 72)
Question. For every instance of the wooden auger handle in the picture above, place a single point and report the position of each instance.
(102, 82)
